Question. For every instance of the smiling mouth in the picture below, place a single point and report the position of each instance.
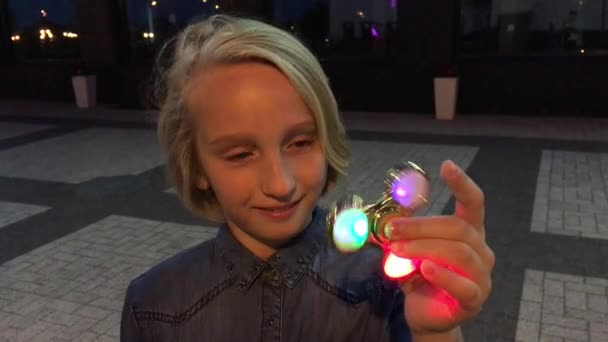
(278, 209)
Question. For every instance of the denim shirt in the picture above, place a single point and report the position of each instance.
(306, 291)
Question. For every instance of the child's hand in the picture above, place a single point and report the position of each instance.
(456, 261)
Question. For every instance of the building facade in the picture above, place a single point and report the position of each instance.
(524, 57)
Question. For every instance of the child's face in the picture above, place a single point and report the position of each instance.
(259, 151)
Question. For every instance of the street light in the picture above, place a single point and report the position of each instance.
(217, 7)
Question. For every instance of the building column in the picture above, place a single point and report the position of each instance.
(102, 31)
(6, 46)
(428, 34)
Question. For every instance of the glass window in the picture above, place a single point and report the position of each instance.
(341, 28)
(328, 27)
(43, 29)
(543, 27)
(153, 22)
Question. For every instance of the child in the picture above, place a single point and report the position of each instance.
(253, 139)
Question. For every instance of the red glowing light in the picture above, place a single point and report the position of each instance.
(396, 267)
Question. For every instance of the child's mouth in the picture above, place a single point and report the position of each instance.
(280, 212)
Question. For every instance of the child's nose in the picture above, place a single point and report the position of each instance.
(278, 180)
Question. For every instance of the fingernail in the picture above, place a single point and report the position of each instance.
(428, 268)
(454, 169)
(388, 230)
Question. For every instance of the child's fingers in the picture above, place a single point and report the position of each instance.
(469, 197)
(467, 295)
(457, 255)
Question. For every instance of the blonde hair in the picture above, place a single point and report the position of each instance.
(223, 39)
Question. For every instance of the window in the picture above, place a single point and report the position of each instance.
(43, 29)
(541, 27)
(341, 28)
(153, 22)
(328, 27)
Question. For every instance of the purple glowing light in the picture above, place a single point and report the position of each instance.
(374, 32)
(410, 189)
(393, 3)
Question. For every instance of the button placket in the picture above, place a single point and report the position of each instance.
(271, 305)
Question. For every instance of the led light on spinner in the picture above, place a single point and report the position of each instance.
(351, 224)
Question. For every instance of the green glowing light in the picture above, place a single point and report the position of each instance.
(350, 230)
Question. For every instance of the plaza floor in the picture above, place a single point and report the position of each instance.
(84, 208)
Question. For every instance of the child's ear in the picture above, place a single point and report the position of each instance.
(202, 183)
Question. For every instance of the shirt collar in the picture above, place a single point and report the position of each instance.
(290, 261)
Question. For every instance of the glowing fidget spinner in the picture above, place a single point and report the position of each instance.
(351, 224)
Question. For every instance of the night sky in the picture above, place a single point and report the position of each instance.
(27, 12)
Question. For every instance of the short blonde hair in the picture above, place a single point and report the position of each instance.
(223, 39)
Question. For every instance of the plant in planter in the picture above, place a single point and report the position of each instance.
(84, 83)
(446, 91)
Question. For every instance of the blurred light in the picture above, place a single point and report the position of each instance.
(151, 35)
(217, 7)
(70, 35)
(350, 230)
(43, 12)
(393, 3)
(46, 33)
(205, 1)
(145, 34)
(396, 267)
(582, 50)
(154, 3)
(361, 14)
(374, 32)
(15, 38)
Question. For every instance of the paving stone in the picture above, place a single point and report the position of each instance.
(573, 308)
(11, 212)
(92, 297)
(575, 194)
(83, 155)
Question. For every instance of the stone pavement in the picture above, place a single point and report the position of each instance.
(84, 208)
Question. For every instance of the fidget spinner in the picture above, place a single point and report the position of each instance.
(351, 223)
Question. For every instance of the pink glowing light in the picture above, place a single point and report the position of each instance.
(401, 192)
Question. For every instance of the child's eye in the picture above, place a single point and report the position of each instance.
(239, 156)
(302, 143)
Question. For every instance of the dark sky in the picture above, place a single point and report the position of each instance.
(26, 12)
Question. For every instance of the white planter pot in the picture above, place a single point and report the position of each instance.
(446, 96)
(85, 90)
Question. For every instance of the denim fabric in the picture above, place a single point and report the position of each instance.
(307, 291)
